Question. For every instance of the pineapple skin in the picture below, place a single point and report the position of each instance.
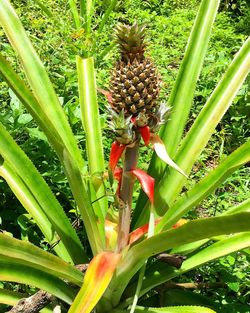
(135, 82)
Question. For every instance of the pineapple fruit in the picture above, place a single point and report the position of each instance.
(134, 82)
(134, 86)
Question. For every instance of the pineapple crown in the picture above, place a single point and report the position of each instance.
(159, 117)
(122, 126)
(131, 41)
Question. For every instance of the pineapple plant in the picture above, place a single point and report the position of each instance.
(120, 248)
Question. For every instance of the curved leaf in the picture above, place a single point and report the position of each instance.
(24, 168)
(188, 233)
(91, 124)
(31, 205)
(28, 99)
(204, 125)
(171, 309)
(182, 94)
(106, 15)
(96, 280)
(145, 133)
(111, 232)
(48, 101)
(25, 253)
(115, 154)
(20, 273)
(10, 297)
(38, 77)
(75, 13)
(161, 152)
(181, 97)
(206, 186)
(158, 273)
(186, 249)
(168, 188)
(242, 207)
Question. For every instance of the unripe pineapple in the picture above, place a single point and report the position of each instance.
(135, 82)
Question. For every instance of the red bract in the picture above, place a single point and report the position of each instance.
(118, 173)
(147, 182)
(115, 154)
(145, 133)
(139, 232)
(118, 176)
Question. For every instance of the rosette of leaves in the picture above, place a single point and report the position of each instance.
(119, 246)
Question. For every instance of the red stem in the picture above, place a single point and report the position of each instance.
(126, 194)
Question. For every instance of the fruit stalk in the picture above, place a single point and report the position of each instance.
(126, 194)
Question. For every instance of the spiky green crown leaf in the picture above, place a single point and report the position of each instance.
(131, 41)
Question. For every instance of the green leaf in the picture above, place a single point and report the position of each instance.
(171, 309)
(91, 124)
(242, 207)
(31, 205)
(90, 113)
(181, 97)
(30, 102)
(186, 249)
(199, 134)
(45, 9)
(49, 104)
(24, 169)
(181, 296)
(10, 297)
(82, 197)
(106, 15)
(205, 187)
(88, 15)
(23, 274)
(38, 78)
(75, 13)
(23, 252)
(158, 273)
(203, 127)
(188, 233)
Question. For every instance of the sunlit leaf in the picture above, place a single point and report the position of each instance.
(15, 271)
(26, 253)
(187, 233)
(110, 234)
(96, 280)
(91, 123)
(171, 309)
(159, 274)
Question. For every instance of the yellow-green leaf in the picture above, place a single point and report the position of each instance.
(96, 280)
